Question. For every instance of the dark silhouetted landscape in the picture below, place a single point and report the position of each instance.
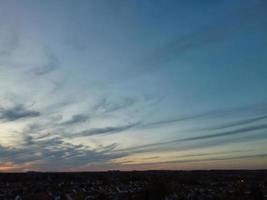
(135, 185)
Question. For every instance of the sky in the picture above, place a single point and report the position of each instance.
(133, 85)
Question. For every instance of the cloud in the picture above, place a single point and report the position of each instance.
(75, 119)
(56, 155)
(103, 131)
(197, 156)
(254, 109)
(203, 141)
(212, 153)
(18, 51)
(239, 127)
(235, 123)
(200, 160)
(226, 133)
(108, 148)
(28, 140)
(16, 113)
(51, 65)
(108, 105)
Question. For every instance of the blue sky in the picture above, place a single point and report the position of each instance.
(100, 85)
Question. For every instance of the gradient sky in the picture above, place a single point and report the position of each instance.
(133, 84)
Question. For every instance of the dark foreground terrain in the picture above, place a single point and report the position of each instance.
(150, 185)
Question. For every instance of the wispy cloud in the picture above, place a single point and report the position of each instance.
(256, 109)
(15, 48)
(201, 160)
(193, 145)
(235, 123)
(17, 112)
(76, 119)
(218, 133)
(103, 131)
(108, 105)
(51, 65)
(226, 133)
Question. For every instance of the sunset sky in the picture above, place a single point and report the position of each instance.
(133, 85)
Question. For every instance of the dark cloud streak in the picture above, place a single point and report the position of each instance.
(76, 119)
(235, 123)
(256, 109)
(17, 112)
(103, 131)
(202, 141)
(226, 133)
(107, 106)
